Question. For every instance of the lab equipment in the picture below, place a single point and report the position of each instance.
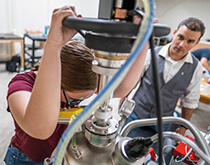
(93, 136)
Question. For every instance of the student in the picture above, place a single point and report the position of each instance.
(35, 97)
(180, 76)
(203, 55)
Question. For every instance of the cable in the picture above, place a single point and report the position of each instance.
(158, 97)
(182, 159)
(204, 148)
(164, 161)
(143, 36)
(188, 153)
(189, 143)
(67, 103)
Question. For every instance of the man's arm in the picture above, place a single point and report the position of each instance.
(192, 95)
(186, 114)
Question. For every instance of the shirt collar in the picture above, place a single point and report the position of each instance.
(164, 53)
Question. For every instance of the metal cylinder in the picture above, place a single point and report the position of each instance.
(90, 154)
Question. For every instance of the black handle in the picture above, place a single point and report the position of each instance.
(110, 26)
(137, 147)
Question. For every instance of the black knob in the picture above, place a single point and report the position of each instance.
(136, 148)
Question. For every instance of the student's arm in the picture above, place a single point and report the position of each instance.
(37, 112)
(134, 73)
(132, 76)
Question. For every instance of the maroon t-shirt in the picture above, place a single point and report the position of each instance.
(37, 150)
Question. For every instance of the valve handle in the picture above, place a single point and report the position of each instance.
(110, 26)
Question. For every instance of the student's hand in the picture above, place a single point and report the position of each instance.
(58, 34)
(138, 20)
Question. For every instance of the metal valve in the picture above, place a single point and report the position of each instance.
(126, 107)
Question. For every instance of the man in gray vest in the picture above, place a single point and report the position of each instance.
(180, 75)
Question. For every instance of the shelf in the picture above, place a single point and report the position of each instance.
(33, 53)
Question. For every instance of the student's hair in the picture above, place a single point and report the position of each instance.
(76, 67)
(193, 24)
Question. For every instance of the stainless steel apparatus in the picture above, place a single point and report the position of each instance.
(93, 137)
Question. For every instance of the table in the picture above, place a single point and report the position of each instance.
(203, 97)
(13, 38)
(33, 37)
(201, 115)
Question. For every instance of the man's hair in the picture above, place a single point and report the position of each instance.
(76, 67)
(193, 24)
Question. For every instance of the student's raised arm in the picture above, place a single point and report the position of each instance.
(37, 112)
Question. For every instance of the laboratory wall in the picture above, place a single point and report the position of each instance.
(18, 15)
(172, 12)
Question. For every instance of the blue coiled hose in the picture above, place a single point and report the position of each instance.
(143, 36)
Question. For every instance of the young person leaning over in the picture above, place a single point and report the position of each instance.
(35, 97)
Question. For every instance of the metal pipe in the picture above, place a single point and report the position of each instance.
(188, 142)
(147, 122)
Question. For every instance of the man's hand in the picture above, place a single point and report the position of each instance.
(181, 130)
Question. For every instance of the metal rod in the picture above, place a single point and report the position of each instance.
(152, 121)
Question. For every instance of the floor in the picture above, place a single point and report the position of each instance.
(6, 121)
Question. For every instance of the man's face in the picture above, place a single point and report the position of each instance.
(183, 40)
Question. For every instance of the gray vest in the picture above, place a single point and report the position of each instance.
(171, 91)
